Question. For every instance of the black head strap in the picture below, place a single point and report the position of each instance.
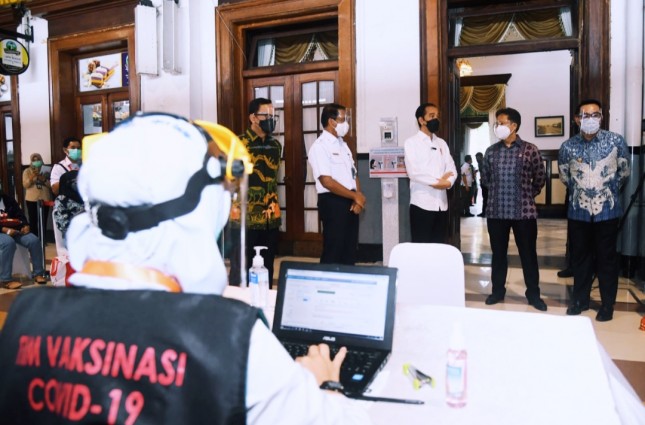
(117, 222)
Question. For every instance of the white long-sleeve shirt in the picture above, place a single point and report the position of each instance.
(426, 161)
(280, 391)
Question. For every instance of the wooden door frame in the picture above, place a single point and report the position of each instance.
(62, 51)
(233, 20)
(592, 46)
(13, 106)
(590, 79)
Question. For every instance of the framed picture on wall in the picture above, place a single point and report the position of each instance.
(549, 126)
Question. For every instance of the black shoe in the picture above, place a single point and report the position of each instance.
(493, 299)
(565, 273)
(481, 215)
(538, 304)
(577, 307)
(468, 215)
(605, 314)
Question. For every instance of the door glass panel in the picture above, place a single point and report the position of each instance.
(309, 94)
(277, 97)
(261, 92)
(283, 223)
(326, 92)
(10, 164)
(121, 110)
(310, 174)
(309, 121)
(92, 118)
(310, 139)
(311, 197)
(282, 193)
(281, 175)
(8, 127)
(311, 221)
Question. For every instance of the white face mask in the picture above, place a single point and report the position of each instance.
(342, 129)
(502, 132)
(590, 125)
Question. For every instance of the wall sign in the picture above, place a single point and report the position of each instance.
(14, 58)
(103, 72)
(387, 162)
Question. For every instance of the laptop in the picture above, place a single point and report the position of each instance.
(342, 306)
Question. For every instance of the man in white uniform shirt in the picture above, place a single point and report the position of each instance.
(432, 172)
(466, 186)
(72, 161)
(340, 200)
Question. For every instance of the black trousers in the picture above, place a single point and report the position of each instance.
(593, 248)
(465, 200)
(32, 213)
(484, 199)
(525, 233)
(428, 226)
(340, 229)
(254, 237)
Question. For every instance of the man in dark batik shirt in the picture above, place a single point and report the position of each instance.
(513, 172)
(263, 209)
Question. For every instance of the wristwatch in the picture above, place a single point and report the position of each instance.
(332, 386)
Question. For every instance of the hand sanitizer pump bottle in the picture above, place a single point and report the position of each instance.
(259, 280)
(456, 369)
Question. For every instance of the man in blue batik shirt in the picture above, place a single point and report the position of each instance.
(593, 165)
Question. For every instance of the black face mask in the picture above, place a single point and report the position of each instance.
(433, 125)
(268, 125)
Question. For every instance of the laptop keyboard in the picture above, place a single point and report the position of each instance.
(355, 366)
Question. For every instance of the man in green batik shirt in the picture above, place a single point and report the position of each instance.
(263, 209)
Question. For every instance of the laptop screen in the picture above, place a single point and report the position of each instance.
(335, 302)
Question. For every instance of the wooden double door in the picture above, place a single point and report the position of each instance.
(298, 100)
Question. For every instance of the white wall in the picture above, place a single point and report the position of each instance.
(539, 86)
(203, 77)
(626, 74)
(34, 97)
(387, 68)
(191, 91)
(170, 92)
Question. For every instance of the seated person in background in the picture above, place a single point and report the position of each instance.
(120, 332)
(15, 230)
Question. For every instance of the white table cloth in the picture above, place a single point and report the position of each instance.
(523, 368)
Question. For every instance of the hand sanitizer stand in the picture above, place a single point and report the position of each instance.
(388, 164)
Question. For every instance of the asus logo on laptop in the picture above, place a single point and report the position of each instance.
(329, 338)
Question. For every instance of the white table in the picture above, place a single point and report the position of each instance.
(523, 368)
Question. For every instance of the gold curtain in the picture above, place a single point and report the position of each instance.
(328, 43)
(483, 98)
(465, 93)
(291, 49)
(473, 125)
(484, 29)
(539, 24)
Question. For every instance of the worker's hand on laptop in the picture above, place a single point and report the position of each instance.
(319, 362)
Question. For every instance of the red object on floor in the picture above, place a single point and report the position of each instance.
(642, 328)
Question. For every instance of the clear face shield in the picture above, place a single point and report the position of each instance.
(235, 167)
(228, 145)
